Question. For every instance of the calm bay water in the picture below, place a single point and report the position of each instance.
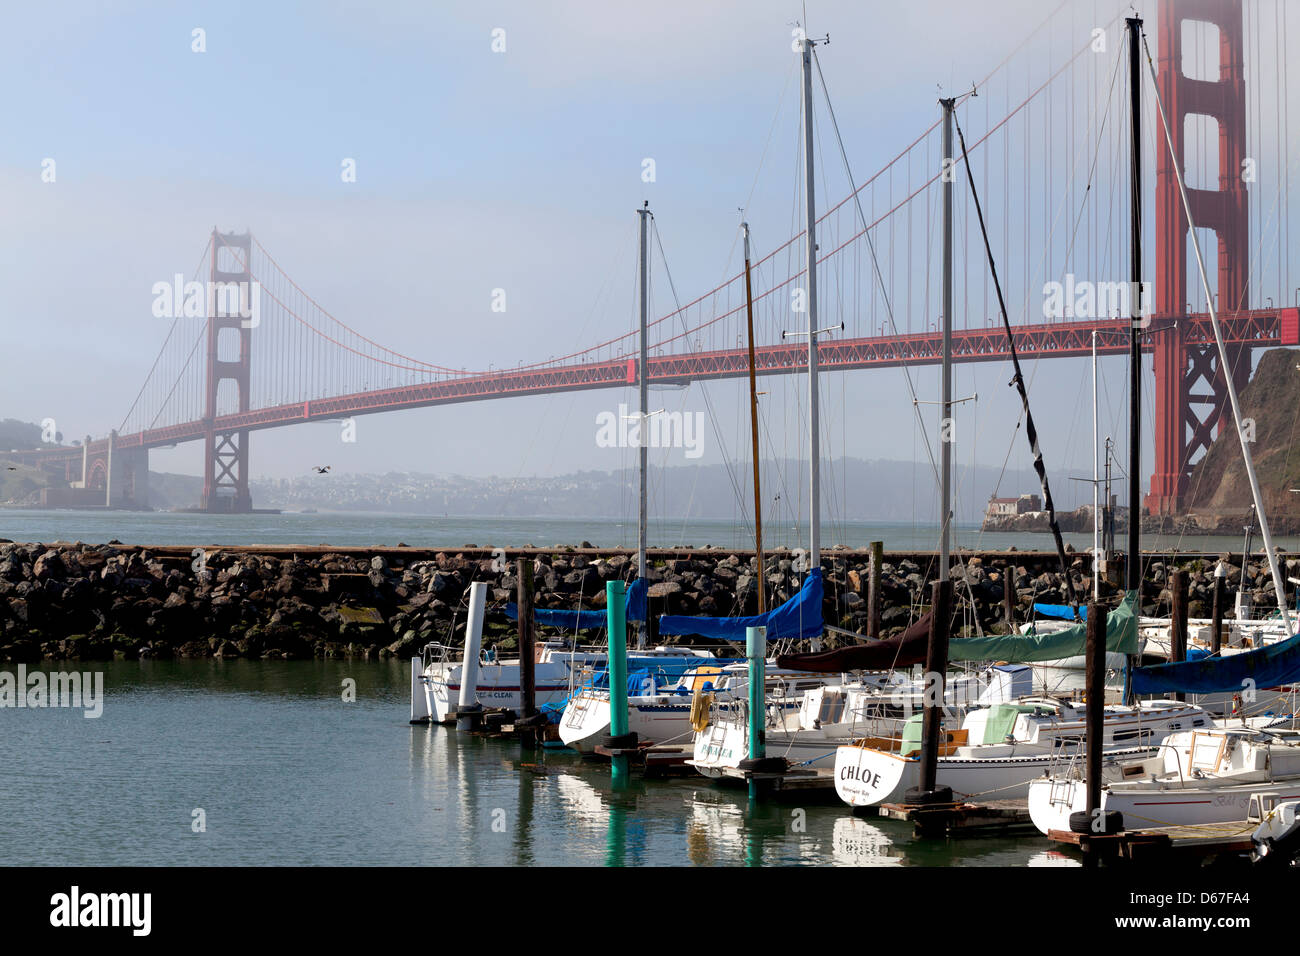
(365, 529)
(286, 772)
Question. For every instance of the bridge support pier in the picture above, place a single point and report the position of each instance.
(126, 470)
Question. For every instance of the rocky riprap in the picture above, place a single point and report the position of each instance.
(101, 602)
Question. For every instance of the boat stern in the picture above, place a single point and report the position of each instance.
(866, 776)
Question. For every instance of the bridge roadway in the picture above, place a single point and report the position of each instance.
(1258, 328)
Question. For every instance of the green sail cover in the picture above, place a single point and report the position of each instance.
(1121, 637)
(912, 733)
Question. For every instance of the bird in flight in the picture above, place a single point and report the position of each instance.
(319, 469)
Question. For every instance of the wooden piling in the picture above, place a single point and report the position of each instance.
(874, 596)
(1095, 715)
(936, 667)
(1178, 621)
(527, 654)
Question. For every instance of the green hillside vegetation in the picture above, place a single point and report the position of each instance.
(23, 436)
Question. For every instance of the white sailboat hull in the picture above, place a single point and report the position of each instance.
(866, 777)
(498, 686)
(1052, 801)
(655, 720)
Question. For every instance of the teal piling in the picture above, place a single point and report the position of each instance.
(756, 656)
(617, 623)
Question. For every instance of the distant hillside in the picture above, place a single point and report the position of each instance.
(20, 484)
(1218, 484)
(22, 436)
(854, 490)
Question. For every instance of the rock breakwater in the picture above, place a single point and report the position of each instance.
(111, 601)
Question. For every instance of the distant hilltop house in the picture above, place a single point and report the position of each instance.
(1010, 507)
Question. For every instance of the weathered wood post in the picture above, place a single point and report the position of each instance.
(936, 667)
(527, 658)
(874, 596)
(1216, 623)
(1178, 621)
(1094, 724)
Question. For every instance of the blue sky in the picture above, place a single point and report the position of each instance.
(475, 170)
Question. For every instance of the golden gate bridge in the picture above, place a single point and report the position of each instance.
(220, 378)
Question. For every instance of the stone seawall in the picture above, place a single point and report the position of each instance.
(113, 601)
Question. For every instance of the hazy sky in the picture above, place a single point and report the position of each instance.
(476, 170)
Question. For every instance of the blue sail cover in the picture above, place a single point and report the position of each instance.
(1267, 666)
(797, 618)
(636, 600)
(587, 620)
(1062, 612)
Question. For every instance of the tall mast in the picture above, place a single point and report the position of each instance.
(1096, 484)
(945, 414)
(936, 661)
(643, 384)
(1134, 562)
(753, 421)
(814, 428)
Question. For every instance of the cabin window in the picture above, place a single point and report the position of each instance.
(1130, 735)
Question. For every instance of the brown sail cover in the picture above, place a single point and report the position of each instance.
(902, 650)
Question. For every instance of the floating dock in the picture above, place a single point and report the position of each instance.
(655, 761)
(801, 780)
(993, 818)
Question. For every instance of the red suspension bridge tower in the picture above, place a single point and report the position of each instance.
(1191, 391)
(232, 313)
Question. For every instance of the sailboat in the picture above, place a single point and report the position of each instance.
(839, 709)
(564, 674)
(998, 751)
(1001, 747)
(660, 715)
(1222, 773)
